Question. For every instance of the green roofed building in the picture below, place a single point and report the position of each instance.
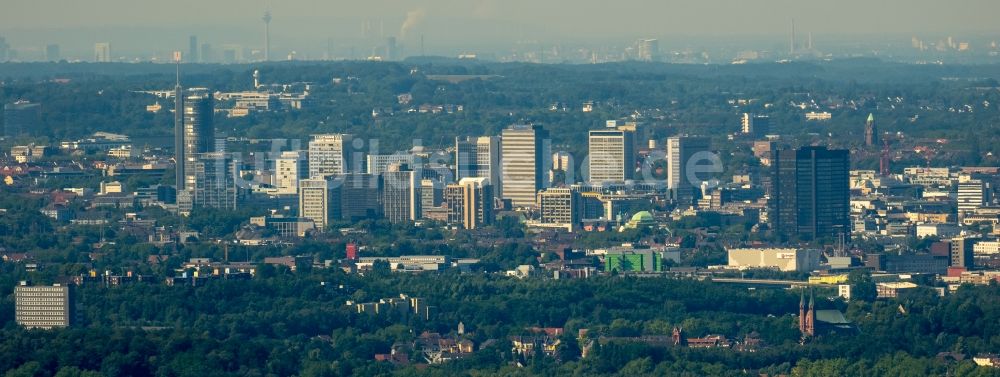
(633, 261)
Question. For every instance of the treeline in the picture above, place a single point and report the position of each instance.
(297, 324)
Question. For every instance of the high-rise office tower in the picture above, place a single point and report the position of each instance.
(329, 155)
(454, 201)
(465, 157)
(206, 53)
(391, 49)
(809, 192)
(971, 195)
(199, 127)
(431, 193)
(871, 131)
(525, 151)
(470, 202)
(289, 169)
(197, 138)
(961, 252)
(649, 50)
(52, 53)
(684, 152)
(488, 163)
(563, 161)
(612, 155)
(360, 196)
(757, 126)
(20, 118)
(380, 163)
(44, 307)
(479, 157)
(193, 49)
(214, 179)
(560, 207)
(102, 52)
(401, 194)
(319, 201)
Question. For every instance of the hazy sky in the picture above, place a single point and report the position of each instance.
(473, 21)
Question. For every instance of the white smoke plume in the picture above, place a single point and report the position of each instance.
(413, 18)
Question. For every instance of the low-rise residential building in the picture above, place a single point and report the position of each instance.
(285, 226)
(416, 263)
(396, 307)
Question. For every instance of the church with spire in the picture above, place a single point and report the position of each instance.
(807, 317)
(814, 322)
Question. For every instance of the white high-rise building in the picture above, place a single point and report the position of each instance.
(971, 196)
(379, 163)
(329, 155)
(648, 49)
(525, 151)
(470, 202)
(681, 154)
(289, 169)
(612, 155)
(559, 207)
(102, 52)
(319, 201)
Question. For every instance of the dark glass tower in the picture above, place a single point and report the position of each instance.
(194, 136)
(199, 132)
(810, 192)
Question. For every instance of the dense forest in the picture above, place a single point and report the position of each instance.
(282, 324)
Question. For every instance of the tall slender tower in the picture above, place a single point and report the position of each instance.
(267, 35)
(802, 312)
(871, 132)
(810, 325)
(791, 44)
(179, 130)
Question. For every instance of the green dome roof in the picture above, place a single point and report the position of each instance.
(642, 217)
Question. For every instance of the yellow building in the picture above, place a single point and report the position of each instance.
(828, 279)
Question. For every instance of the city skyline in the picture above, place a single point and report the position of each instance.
(487, 187)
(318, 30)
